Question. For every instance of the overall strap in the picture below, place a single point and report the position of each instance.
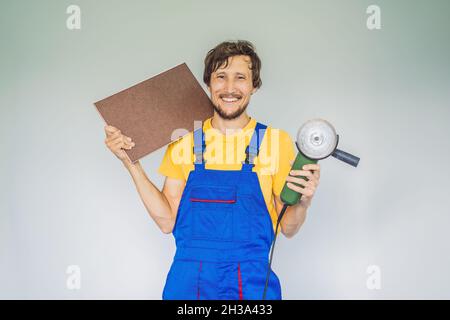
(252, 150)
(199, 147)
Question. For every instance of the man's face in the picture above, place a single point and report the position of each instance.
(232, 87)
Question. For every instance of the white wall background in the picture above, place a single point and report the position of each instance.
(66, 200)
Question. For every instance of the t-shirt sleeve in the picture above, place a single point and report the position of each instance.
(286, 154)
(168, 168)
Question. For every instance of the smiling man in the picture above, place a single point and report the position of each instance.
(231, 84)
(221, 196)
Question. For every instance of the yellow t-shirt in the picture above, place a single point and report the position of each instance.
(227, 152)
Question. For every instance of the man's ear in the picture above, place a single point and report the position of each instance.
(254, 90)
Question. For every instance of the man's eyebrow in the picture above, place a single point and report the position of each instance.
(223, 72)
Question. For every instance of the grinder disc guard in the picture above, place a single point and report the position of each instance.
(317, 139)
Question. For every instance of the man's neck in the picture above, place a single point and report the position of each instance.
(229, 126)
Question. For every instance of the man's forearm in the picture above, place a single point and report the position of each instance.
(154, 200)
(293, 219)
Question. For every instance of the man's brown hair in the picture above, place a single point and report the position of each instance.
(216, 57)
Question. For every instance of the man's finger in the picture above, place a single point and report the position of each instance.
(297, 188)
(311, 166)
(300, 173)
(297, 180)
(315, 168)
(115, 135)
(114, 139)
(126, 144)
(110, 130)
(127, 139)
(317, 174)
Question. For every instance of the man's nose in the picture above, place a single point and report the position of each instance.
(229, 86)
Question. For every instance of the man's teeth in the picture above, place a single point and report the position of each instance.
(230, 99)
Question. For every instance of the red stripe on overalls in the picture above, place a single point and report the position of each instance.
(198, 281)
(212, 200)
(240, 282)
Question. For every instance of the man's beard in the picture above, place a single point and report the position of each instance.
(230, 116)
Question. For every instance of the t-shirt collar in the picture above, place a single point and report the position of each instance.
(249, 126)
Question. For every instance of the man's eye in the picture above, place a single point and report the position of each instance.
(221, 76)
(241, 77)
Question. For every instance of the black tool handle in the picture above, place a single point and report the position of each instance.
(346, 157)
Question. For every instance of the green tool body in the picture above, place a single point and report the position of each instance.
(289, 196)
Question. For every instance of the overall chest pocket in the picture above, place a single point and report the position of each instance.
(212, 212)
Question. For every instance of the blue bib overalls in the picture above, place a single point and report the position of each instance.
(223, 233)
